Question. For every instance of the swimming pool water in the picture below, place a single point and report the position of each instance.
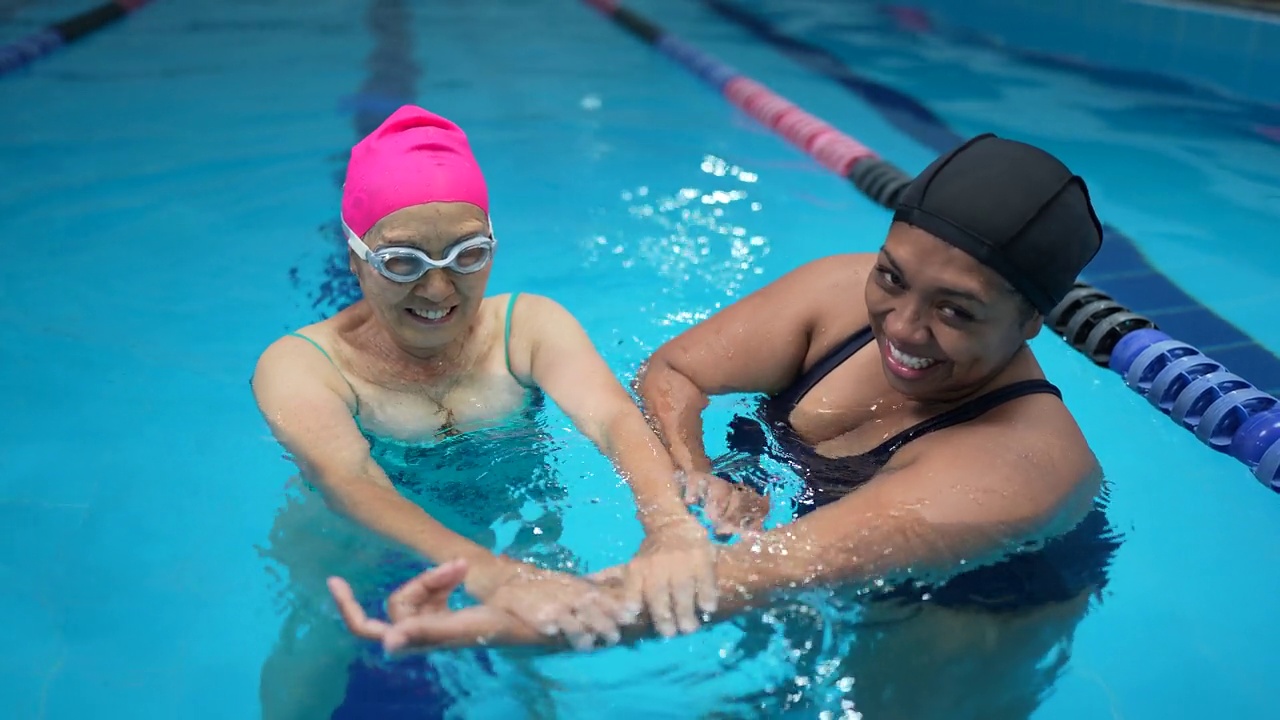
(168, 212)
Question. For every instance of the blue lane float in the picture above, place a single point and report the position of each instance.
(1194, 402)
(1229, 411)
(1258, 436)
(1257, 444)
(1222, 409)
(1153, 360)
(1170, 382)
(23, 51)
(1268, 470)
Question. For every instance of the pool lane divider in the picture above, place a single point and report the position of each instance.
(1121, 267)
(828, 146)
(23, 51)
(1223, 410)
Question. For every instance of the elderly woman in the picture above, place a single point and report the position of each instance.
(426, 355)
(942, 472)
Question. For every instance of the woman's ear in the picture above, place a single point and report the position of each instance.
(1033, 325)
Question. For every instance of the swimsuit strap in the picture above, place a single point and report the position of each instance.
(328, 357)
(963, 413)
(506, 335)
(792, 396)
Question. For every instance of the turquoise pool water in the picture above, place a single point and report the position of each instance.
(182, 165)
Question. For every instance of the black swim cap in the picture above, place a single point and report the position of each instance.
(1015, 208)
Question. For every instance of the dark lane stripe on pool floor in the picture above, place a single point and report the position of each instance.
(408, 688)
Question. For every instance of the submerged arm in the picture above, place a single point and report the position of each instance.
(673, 568)
(958, 504)
(928, 519)
(564, 362)
(302, 400)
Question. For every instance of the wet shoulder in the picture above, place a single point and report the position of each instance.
(305, 347)
(832, 271)
(1032, 441)
(308, 359)
(831, 285)
(525, 319)
(832, 291)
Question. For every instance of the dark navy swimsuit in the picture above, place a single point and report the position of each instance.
(1060, 569)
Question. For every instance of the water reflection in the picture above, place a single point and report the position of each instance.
(699, 246)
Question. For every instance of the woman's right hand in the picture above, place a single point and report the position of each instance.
(555, 603)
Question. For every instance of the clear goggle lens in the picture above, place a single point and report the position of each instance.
(408, 264)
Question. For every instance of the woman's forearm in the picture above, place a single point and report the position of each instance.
(674, 404)
(752, 572)
(385, 511)
(647, 467)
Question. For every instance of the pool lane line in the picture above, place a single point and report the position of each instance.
(391, 82)
(23, 51)
(1224, 411)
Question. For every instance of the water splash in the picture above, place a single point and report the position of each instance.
(703, 250)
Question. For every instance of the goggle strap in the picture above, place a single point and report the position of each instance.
(354, 241)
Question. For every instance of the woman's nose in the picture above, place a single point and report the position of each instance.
(905, 325)
(435, 286)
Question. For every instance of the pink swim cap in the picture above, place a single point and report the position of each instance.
(414, 157)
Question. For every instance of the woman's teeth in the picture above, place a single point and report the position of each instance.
(910, 361)
(430, 314)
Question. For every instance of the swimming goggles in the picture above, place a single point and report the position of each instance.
(408, 264)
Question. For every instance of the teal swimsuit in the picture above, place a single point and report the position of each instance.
(492, 485)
